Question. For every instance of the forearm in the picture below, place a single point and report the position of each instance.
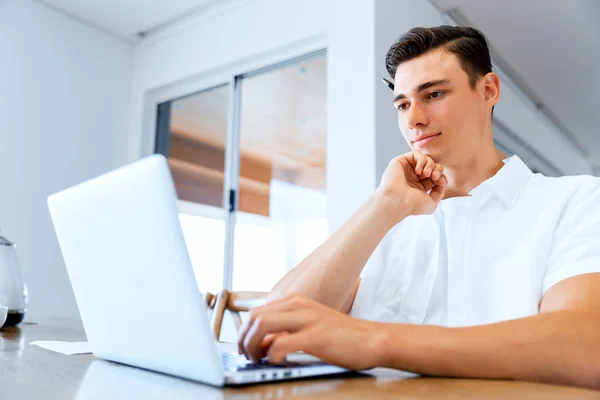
(328, 275)
(559, 347)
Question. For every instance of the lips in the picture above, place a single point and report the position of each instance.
(424, 137)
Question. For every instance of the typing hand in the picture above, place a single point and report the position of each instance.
(295, 323)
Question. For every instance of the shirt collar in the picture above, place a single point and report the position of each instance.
(508, 182)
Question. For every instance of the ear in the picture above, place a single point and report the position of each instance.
(491, 89)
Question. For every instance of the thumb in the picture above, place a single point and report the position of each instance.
(268, 341)
(284, 344)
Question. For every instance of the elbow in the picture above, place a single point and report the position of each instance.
(587, 375)
(584, 371)
(592, 366)
(588, 381)
(592, 379)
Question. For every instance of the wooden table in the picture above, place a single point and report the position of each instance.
(29, 372)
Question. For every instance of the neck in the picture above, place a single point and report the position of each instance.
(464, 177)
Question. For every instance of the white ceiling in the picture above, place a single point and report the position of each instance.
(554, 46)
(127, 18)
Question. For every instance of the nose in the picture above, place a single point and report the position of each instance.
(416, 117)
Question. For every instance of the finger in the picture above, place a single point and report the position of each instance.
(282, 345)
(268, 341)
(265, 330)
(443, 181)
(428, 184)
(437, 173)
(409, 157)
(271, 323)
(408, 163)
(420, 161)
(437, 193)
(286, 303)
(428, 169)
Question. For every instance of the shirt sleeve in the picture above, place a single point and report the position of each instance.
(576, 242)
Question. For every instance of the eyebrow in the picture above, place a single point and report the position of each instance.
(422, 87)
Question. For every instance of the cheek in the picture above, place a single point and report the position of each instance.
(455, 114)
(403, 130)
(402, 125)
(406, 135)
(447, 112)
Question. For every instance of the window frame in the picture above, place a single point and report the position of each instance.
(157, 137)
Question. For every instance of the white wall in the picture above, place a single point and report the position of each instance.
(240, 35)
(351, 108)
(67, 93)
(236, 36)
(64, 110)
(515, 111)
(363, 134)
(522, 117)
(393, 18)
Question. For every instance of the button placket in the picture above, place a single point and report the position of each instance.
(419, 311)
(455, 248)
(464, 259)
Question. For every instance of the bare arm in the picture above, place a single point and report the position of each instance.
(559, 345)
(330, 274)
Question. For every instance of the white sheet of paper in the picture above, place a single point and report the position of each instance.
(68, 348)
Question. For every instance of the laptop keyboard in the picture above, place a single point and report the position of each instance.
(238, 362)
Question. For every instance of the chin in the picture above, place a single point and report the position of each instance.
(437, 156)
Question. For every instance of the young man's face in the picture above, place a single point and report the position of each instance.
(433, 97)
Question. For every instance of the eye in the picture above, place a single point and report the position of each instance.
(435, 95)
(402, 107)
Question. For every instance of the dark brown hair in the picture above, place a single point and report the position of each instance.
(468, 44)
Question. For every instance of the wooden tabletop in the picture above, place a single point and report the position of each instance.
(29, 372)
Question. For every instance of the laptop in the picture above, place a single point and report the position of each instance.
(132, 277)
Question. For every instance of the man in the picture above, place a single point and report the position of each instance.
(461, 263)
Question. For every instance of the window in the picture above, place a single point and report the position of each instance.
(196, 137)
(282, 140)
(250, 173)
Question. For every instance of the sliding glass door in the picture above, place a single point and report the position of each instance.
(282, 203)
(192, 133)
(248, 162)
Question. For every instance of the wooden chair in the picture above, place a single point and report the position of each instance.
(235, 302)
(211, 300)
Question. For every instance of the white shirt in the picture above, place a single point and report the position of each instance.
(486, 257)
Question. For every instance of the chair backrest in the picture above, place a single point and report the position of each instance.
(211, 300)
(235, 302)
